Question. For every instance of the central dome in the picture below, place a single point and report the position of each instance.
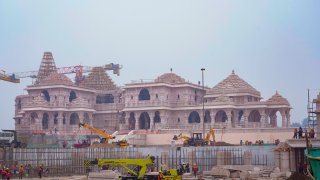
(170, 78)
(233, 84)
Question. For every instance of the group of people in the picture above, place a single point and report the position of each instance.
(15, 170)
(298, 134)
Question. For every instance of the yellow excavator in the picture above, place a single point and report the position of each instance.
(196, 139)
(136, 168)
(106, 136)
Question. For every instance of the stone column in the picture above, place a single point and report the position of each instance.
(81, 116)
(288, 118)
(284, 121)
(245, 118)
(152, 115)
(39, 121)
(229, 115)
(213, 115)
(137, 121)
(60, 123)
(263, 118)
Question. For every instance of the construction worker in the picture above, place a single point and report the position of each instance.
(40, 171)
(160, 177)
(21, 171)
(295, 133)
(195, 169)
(8, 175)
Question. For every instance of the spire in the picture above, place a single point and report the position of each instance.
(47, 66)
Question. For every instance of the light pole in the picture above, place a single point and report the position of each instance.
(203, 114)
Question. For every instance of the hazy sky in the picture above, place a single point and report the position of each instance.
(272, 44)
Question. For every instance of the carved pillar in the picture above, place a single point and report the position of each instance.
(229, 115)
(245, 118)
(151, 115)
(263, 118)
(137, 121)
(235, 121)
(288, 118)
(39, 121)
(81, 116)
(284, 121)
(213, 116)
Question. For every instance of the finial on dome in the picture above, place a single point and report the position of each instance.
(233, 71)
(171, 70)
(277, 92)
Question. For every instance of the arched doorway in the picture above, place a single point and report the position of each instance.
(34, 117)
(207, 117)
(194, 117)
(157, 118)
(45, 95)
(275, 118)
(144, 95)
(74, 119)
(221, 116)
(254, 116)
(132, 121)
(45, 121)
(72, 96)
(144, 121)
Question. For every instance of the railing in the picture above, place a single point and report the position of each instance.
(160, 103)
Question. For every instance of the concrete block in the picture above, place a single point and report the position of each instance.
(277, 175)
(235, 174)
(244, 175)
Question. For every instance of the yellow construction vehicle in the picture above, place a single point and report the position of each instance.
(136, 168)
(106, 136)
(195, 140)
(10, 78)
(210, 134)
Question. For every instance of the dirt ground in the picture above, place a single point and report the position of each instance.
(61, 178)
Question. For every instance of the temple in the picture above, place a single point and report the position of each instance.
(55, 103)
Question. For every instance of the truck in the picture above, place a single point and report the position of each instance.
(8, 138)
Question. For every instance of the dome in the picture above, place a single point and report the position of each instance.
(277, 99)
(231, 85)
(98, 79)
(170, 78)
(56, 79)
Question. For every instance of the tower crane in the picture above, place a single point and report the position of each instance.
(7, 77)
(78, 70)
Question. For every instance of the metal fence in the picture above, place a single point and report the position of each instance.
(62, 162)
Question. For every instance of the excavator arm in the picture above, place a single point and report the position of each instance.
(142, 163)
(97, 131)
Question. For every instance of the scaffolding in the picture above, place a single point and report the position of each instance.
(312, 114)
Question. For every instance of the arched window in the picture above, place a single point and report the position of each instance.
(72, 96)
(34, 116)
(64, 118)
(144, 121)
(144, 95)
(194, 117)
(45, 94)
(74, 119)
(45, 121)
(157, 118)
(221, 116)
(254, 116)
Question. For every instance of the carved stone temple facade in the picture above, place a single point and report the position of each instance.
(55, 103)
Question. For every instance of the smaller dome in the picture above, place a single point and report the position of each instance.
(277, 99)
(56, 79)
(170, 78)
